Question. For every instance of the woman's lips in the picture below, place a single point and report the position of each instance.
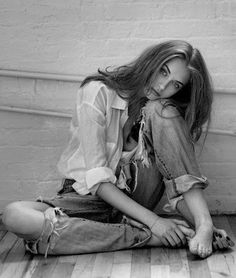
(156, 93)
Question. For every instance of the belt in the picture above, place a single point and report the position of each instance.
(67, 186)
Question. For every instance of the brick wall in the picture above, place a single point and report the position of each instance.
(75, 38)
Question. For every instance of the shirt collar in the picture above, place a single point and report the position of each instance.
(119, 103)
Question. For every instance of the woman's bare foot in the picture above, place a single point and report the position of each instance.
(201, 243)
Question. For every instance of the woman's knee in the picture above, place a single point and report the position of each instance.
(162, 109)
(11, 215)
(17, 212)
(165, 121)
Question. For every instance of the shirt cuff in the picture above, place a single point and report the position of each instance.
(97, 175)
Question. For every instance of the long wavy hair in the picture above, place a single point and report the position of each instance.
(194, 100)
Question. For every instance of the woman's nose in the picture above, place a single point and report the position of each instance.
(163, 85)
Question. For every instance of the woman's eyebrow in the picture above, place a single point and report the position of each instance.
(180, 82)
(165, 65)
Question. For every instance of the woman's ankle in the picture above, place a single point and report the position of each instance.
(204, 222)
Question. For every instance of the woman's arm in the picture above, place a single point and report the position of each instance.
(115, 197)
(165, 229)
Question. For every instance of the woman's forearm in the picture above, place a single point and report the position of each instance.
(115, 197)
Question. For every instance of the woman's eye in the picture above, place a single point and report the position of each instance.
(177, 86)
(163, 72)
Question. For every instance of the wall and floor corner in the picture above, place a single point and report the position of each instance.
(47, 48)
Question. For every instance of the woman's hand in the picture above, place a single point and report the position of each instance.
(169, 231)
(155, 240)
(221, 240)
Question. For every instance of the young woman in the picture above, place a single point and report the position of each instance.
(133, 135)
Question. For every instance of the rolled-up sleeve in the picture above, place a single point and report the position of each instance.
(93, 141)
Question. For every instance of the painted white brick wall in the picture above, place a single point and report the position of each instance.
(30, 146)
(77, 37)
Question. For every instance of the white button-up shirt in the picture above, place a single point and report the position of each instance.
(96, 144)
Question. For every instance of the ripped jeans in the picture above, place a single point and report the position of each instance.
(77, 224)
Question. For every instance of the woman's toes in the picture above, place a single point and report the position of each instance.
(193, 247)
(203, 253)
(209, 251)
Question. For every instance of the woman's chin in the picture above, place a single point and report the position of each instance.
(153, 97)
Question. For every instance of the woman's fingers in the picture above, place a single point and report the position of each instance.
(220, 232)
(222, 242)
(176, 236)
(229, 240)
(215, 247)
(182, 236)
(165, 242)
(222, 239)
(218, 242)
(188, 232)
(171, 241)
(181, 222)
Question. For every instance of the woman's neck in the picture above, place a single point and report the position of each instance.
(128, 142)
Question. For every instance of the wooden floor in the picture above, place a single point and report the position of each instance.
(152, 262)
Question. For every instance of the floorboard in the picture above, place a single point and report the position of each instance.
(122, 264)
(143, 263)
(140, 267)
(84, 266)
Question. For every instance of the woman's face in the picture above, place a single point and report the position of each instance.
(172, 76)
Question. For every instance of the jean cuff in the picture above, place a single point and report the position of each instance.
(176, 187)
(172, 205)
(182, 184)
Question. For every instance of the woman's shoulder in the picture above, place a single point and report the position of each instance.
(94, 85)
(93, 90)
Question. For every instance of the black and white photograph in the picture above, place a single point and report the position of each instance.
(117, 138)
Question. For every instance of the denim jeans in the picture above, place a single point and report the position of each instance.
(78, 224)
(166, 135)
